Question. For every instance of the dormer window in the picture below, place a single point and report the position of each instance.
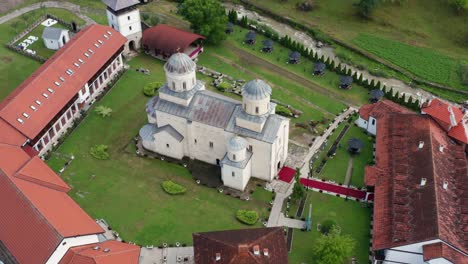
(57, 83)
(76, 64)
(33, 107)
(86, 55)
(96, 45)
(91, 51)
(100, 41)
(50, 90)
(38, 102)
(62, 79)
(20, 120)
(69, 72)
(81, 61)
(110, 33)
(25, 115)
(106, 37)
(45, 95)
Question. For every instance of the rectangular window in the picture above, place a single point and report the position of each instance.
(233, 174)
(373, 122)
(185, 86)
(250, 148)
(167, 145)
(195, 141)
(128, 17)
(130, 28)
(233, 156)
(211, 144)
(256, 109)
(83, 90)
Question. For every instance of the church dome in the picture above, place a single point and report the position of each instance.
(180, 63)
(237, 143)
(256, 90)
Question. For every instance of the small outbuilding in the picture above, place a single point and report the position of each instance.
(319, 68)
(55, 38)
(229, 28)
(267, 45)
(376, 95)
(250, 37)
(346, 82)
(162, 41)
(294, 57)
(355, 145)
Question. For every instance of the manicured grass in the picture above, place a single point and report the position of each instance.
(125, 190)
(39, 45)
(353, 218)
(15, 68)
(423, 62)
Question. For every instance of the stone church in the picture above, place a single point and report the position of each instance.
(246, 139)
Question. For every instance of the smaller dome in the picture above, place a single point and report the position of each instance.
(180, 63)
(256, 90)
(237, 143)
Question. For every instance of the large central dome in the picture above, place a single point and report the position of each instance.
(256, 90)
(180, 63)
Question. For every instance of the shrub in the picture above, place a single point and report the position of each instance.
(326, 226)
(173, 188)
(247, 217)
(99, 152)
(464, 73)
(223, 86)
(151, 88)
(103, 111)
(281, 110)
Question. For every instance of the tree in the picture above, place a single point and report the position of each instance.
(333, 248)
(207, 17)
(298, 190)
(232, 16)
(459, 5)
(365, 7)
(103, 111)
(327, 226)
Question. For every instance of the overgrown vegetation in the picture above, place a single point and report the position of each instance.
(151, 88)
(173, 188)
(281, 110)
(99, 152)
(333, 248)
(463, 72)
(247, 217)
(103, 111)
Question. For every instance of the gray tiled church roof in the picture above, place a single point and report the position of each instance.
(117, 5)
(183, 95)
(237, 143)
(238, 164)
(148, 131)
(256, 90)
(180, 63)
(52, 33)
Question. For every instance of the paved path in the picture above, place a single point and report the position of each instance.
(349, 171)
(327, 51)
(294, 223)
(50, 4)
(305, 169)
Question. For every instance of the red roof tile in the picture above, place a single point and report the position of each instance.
(404, 211)
(38, 172)
(440, 111)
(460, 132)
(380, 109)
(33, 88)
(168, 39)
(118, 253)
(9, 135)
(237, 246)
(442, 250)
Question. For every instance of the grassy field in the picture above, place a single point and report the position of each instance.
(351, 216)
(424, 62)
(15, 68)
(125, 190)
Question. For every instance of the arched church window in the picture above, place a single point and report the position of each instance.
(233, 156)
(185, 86)
(256, 109)
(173, 85)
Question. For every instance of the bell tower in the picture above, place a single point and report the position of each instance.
(124, 16)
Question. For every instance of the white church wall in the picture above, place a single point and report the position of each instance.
(69, 242)
(249, 125)
(251, 106)
(372, 126)
(362, 123)
(261, 159)
(204, 150)
(167, 145)
(236, 178)
(176, 81)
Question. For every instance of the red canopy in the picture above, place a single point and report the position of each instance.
(168, 39)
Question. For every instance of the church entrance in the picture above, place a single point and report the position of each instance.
(131, 45)
(217, 162)
(279, 165)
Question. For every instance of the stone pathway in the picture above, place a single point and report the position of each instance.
(348, 172)
(76, 9)
(327, 51)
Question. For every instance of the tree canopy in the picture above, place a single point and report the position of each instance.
(365, 7)
(298, 189)
(207, 18)
(333, 248)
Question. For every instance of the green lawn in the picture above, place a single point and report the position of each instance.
(39, 45)
(423, 62)
(351, 216)
(125, 190)
(15, 68)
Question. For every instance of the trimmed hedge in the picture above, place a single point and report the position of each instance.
(99, 152)
(173, 188)
(247, 217)
(151, 88)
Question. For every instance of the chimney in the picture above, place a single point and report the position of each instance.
(218, 256)
(423, 181)
(453, 122)
(256, 250)
(421, 144)
(445, 185)
(265, 252)
(441, 148)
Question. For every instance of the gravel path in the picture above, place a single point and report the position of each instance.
(49, 4)
(328, 51)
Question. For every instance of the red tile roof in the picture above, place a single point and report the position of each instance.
(168, 39)
(38, 208)
(9, 135)
(442, 250)
(33, 88)
(237, 246)
(440, 111)
(404, 211)
(380, 109)
(118, 253)
(460, 132)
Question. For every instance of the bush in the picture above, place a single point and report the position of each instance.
(223, 86)
(151, 88)
(173, 188)
(247, 217)
(464, 73)
(281, 110)
(326, 226)
(99, 152)
(103, 111)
